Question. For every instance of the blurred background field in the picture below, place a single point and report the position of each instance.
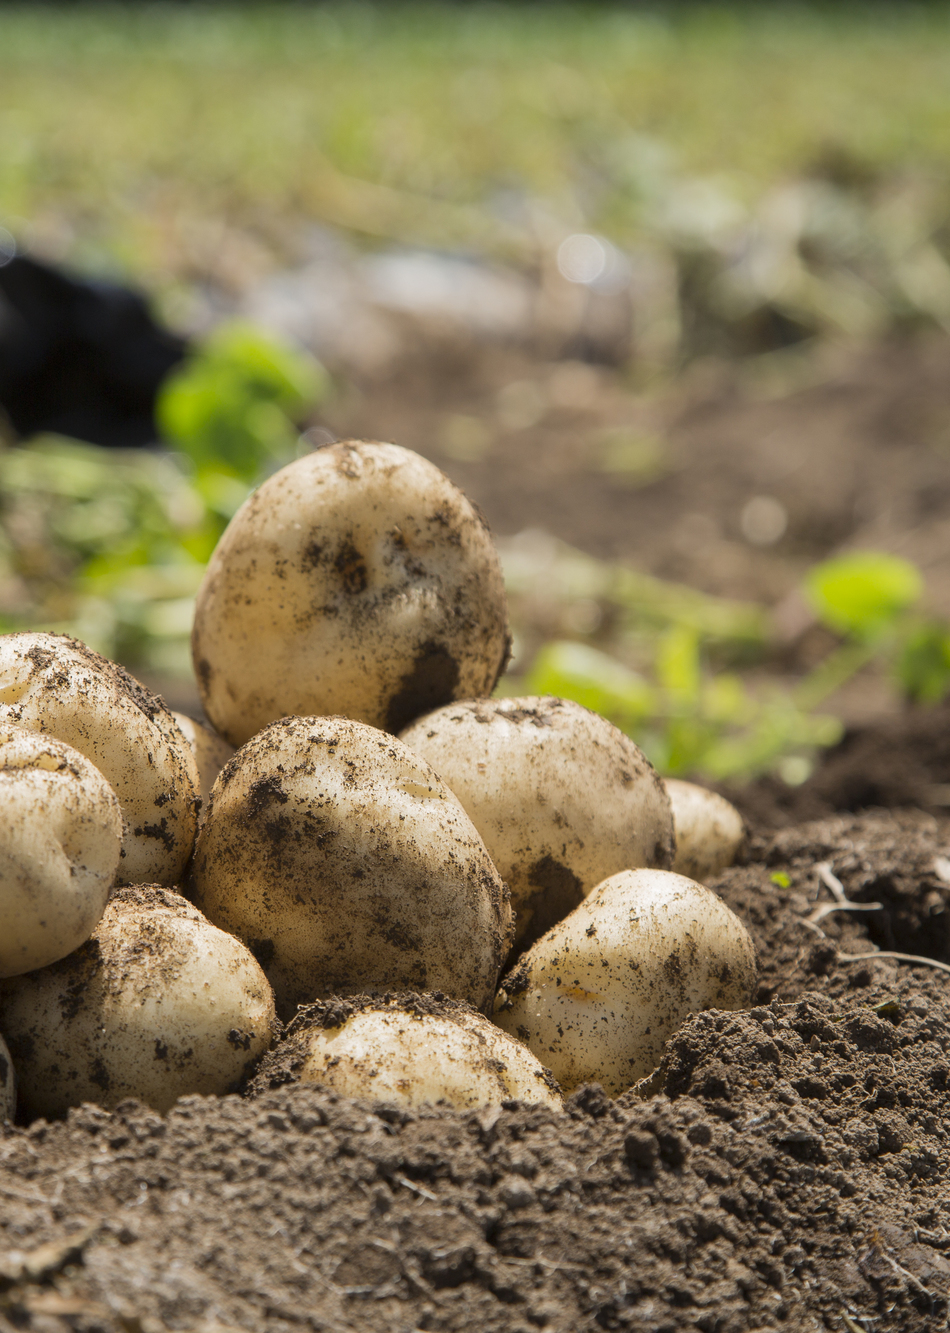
(665, 288)
(122, 124)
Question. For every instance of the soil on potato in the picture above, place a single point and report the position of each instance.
(788, 1169)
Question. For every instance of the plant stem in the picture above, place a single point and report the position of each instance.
(837, 668)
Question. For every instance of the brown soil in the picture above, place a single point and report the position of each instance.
(853, 444)
(789, 1168)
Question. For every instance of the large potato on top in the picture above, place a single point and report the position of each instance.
(60, 838)
(346, 865)
(408, 1049)
(599, 995)
(157, 1004)
(53, 684)
(561, 797)
(356, 581)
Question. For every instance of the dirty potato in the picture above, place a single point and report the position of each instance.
(598, 996)
(55, 685)
(709, 830)
(60, 839)
(157, 1004)
(561, 797)
(408, 1049)
(346, 865)
(356, 581)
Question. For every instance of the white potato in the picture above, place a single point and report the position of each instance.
(356, 581)
(55, 685)
(7, 1084)
(598, 996)
(561, 797)
(709, 831)
(159, 1003)
(346, 865)
(211, 754)
(60, 839)
(411, 1050)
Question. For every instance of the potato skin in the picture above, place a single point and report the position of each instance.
(60, 839)
(346, 865)
(408, 1049)
(158, 1004)
(356, 581)
(561, 797)
(709, 830)
(599, 995)
(56, 685)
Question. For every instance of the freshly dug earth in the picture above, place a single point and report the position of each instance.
(788, 1169)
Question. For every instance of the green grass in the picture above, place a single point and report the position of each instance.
(124, 131)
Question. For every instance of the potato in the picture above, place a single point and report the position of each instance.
(346, 865)
(356, 581)
(60, 839)
(408, 1049)
(157, 1004)
(211, 754)
(709, 831)
(7, 1084)
(53, 684)
(598, 996)
(561, 797)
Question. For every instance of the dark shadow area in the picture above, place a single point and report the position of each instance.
(79, 358)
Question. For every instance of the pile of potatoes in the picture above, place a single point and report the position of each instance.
(168, 902)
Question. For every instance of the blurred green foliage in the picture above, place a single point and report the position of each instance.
(691, 703)
(234, 407)
(144, 132)
(774, 173)
(111, 545)
(923, 662)
(862, 593)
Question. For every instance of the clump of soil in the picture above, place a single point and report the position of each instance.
(786, 1168)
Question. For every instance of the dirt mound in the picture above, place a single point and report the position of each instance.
(788, 1169)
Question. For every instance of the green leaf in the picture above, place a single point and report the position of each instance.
(236, 402)
(589, 677)
(677, 663)
(923, 666)
(863, 592)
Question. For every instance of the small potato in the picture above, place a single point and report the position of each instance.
(561, 797)
(55, 685)
(408, 1049)
(356, 581)
(346, 865)
(211, 754)
(60, 839)
(709, 831)
(7, 1084)
(598, 996)
(158, 1004)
